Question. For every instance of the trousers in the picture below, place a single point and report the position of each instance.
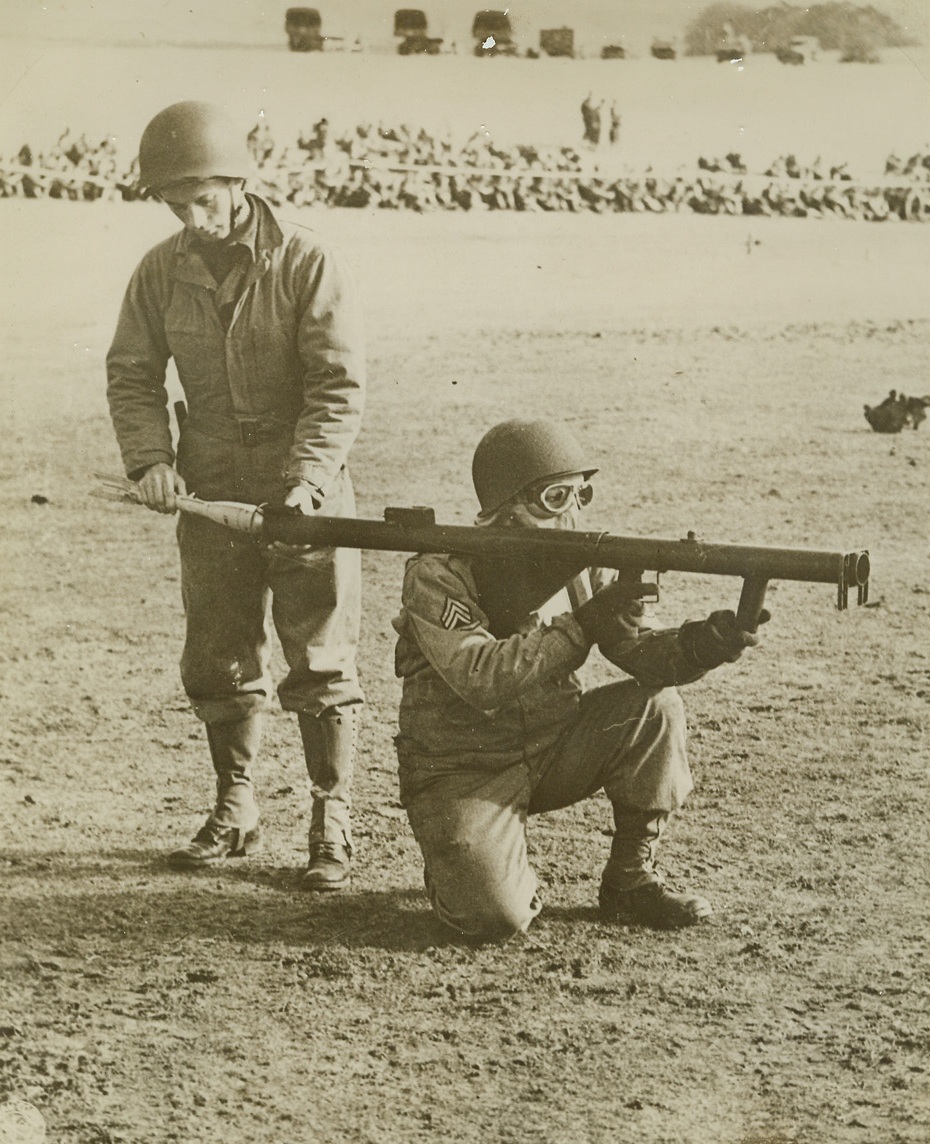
(470, 824)
(235, 591)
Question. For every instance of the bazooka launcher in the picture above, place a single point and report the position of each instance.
(553, 558)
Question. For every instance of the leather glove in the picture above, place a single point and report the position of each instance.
(718, 639)
(615, 610)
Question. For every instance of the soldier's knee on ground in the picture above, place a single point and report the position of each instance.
(494, 920)
(485, 908)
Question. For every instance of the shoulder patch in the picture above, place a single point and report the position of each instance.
(455, 614)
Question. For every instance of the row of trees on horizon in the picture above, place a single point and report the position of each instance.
(857, 32)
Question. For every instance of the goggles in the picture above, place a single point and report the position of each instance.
(560, 496)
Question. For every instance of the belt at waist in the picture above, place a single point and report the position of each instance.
(242, 429)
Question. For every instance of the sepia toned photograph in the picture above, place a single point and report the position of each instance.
(465, 595)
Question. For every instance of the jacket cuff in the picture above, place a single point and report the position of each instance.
(139, 463)
(686, 634)
(307, 474)
(315, 491)
(574, 633)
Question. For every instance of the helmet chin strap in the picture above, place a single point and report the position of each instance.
(237, 208)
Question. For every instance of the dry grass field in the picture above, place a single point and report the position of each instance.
(718, 368)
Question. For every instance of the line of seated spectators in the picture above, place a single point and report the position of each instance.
(402, 168)
(72, 168)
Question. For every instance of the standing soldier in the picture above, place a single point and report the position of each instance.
(590, 120)
(261, 143)
(494, 725)
(260, 319)
(615, 121)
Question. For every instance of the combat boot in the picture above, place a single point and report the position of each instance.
(329, 749)
(231, 830)
(631, 887)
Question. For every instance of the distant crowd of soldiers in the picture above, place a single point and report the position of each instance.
(72, 168)
(402, 168)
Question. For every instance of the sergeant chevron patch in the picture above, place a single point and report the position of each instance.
(456, 615)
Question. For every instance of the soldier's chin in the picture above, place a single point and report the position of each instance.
(565, 521)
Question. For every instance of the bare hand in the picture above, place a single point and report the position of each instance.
(159, 487)
(303, 499)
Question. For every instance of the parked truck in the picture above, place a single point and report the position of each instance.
(493, 33)
(558, 42)
(411, 27)
(304, 28)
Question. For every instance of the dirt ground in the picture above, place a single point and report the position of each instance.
(718, 371)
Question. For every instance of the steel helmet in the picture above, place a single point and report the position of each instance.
(520, 452)
(191, 140)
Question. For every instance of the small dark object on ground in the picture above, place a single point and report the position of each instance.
(917, 409)
(896, 412)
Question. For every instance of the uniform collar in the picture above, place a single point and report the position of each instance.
(259, 235)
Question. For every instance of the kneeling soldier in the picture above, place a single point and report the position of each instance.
(494, 725)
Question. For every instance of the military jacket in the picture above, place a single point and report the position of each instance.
(290, 355)
(490, 701)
